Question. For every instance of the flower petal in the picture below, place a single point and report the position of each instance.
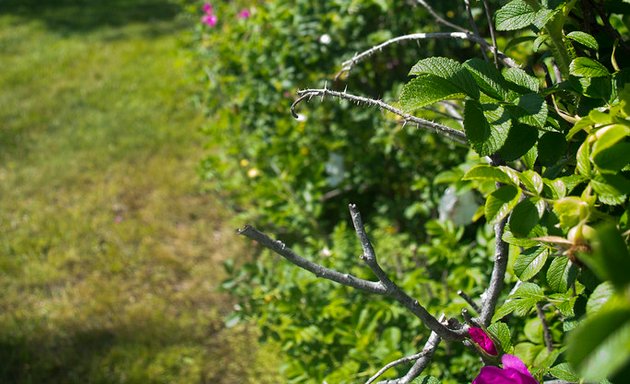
(492, 375)
(482, 339)
(513, 362)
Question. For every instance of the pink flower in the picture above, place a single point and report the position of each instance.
(207, 9)
(514, 372)
(209, 20)
(480, 337)
(244, 14)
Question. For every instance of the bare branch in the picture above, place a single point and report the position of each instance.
(347, 65)
(402, 360)
(427, 353)
(394, 290)
(453, 134)
(469, 300)
(498, 274)
(472, 23)
(545, 327)
(319, 270)
(493, 35)
(439, 18)
(383, 287)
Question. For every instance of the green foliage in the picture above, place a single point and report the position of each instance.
(549, 145)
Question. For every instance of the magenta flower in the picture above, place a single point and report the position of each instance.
(481, 338)
(207, 9)
(514, 372)
(244, 14)
(209, 20)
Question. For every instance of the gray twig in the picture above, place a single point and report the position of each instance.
(498, 274)
(347, 65)
(439, 18)
(319, 270)
(545, 327)
(421, 363)
(453, 134)
(383, 287)
(493, 35)
(394, 290)
(469, 300)
(472, 23)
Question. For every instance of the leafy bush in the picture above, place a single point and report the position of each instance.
(548, 159)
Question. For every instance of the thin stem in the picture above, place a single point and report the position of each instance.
(320, 271)
(545, 327)
(394, 290)
(347, 65)
(439, 18)
(402, 360)
(469, 300)
(498, 274)
(472, 23)
(427, 353)
(493, 35)
(453, 134)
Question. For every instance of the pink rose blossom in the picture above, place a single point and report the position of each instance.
(514, 371)
(244, 14)
(209, 20)
(207, 9)
(480, 337)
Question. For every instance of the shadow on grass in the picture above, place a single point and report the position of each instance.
(84, 16)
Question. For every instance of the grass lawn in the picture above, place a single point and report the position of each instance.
(109, 254)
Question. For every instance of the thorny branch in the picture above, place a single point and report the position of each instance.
(347, 65)
(383, 287)
(453, 134)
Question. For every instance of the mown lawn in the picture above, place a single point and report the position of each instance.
(109, 254)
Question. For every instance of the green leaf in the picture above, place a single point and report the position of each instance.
(610, 258)
(501, 332)
(583, 165)
(585, 67)
(551, 147)
(563, 371)
(450, 70)
(594, 87)
(486, 126)
(517, 14)
(556, 188)
(529, 159)
(610, 150)
(524, 218)
(530, 262)
(426, 380)
(522, 79)
(489, 79)
(521, 139)
(521, 301)
(532, 181)
(500, 202)
(427, 89)
(600, 346)
(611, 189)
(561, 274)
(540, 40)
(487, 172)
(584, 38)
(570, 211)
(599, 297)
(533, 330)
(532, 110)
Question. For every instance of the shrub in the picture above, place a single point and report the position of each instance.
(548, 148)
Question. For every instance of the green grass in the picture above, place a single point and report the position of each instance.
(109, 254)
